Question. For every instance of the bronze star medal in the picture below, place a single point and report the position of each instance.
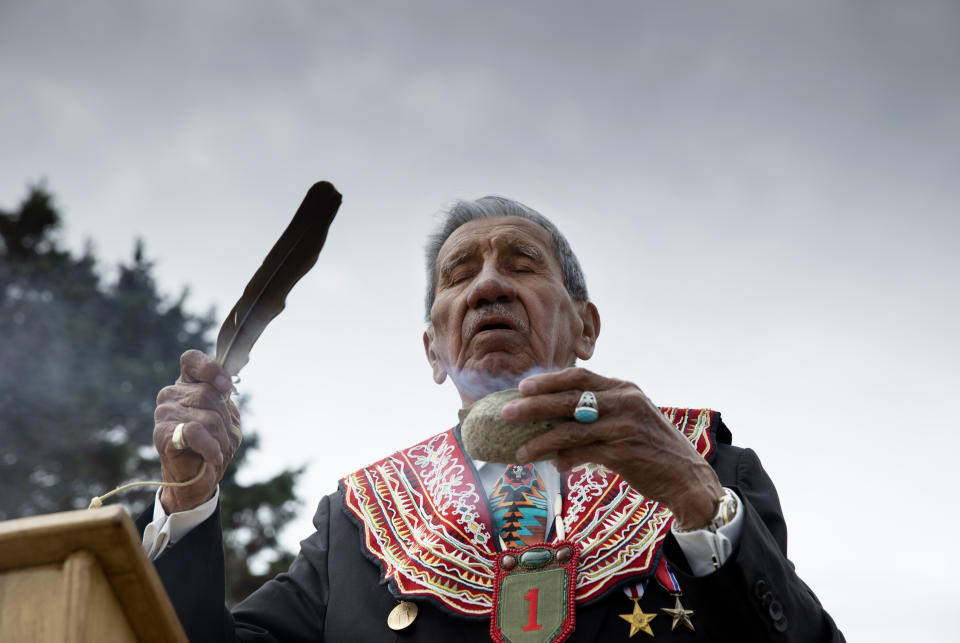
(638, 620)
(679, 615)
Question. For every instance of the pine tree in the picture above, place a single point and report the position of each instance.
(81, 362)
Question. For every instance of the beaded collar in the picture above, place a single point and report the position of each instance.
(424, 519)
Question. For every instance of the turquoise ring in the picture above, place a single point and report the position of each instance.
(587, 410)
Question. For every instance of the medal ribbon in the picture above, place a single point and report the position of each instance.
(636, 590)
(666, 578)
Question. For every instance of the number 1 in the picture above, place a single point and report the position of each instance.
(532, 597)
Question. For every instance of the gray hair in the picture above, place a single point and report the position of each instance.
(488, 207)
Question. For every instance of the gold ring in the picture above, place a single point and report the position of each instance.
(178, 442)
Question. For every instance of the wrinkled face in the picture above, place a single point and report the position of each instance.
(501, 309)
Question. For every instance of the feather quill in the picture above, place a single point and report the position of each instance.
(265, 295)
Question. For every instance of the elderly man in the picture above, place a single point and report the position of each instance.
(644, 522)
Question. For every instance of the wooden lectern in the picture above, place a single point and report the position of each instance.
(80, 576)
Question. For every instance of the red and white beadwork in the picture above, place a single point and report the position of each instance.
(423, 518)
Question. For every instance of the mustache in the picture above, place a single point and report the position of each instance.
(495, 313)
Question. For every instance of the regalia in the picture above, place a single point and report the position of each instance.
(424, 519)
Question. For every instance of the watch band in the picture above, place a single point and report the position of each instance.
(726, 512)
(727, 508)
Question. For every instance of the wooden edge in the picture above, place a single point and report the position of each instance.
(78, 569)
(110, 535)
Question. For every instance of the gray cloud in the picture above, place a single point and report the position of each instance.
(763, 196)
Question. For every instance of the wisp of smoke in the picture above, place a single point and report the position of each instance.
(477, 384)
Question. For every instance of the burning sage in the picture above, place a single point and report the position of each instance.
(488, 437)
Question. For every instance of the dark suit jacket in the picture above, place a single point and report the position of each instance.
(334, 592)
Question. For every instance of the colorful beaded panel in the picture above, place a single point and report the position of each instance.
(424, 519)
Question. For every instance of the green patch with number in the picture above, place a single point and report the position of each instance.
(532, 605)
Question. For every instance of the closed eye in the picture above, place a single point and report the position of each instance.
(522, 266)
(460, 275)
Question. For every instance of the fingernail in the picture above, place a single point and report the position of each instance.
(223, 383)
(528, 387)
(509, 411)
(522, 455)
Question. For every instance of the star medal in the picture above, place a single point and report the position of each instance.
(533, 593)
(669, 582)
(679, 614)
(638, 620)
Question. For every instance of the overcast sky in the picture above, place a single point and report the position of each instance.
(763, 196)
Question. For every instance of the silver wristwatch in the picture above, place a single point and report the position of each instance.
(727, 509)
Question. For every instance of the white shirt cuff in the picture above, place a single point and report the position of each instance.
(702, 546)
(165, 530)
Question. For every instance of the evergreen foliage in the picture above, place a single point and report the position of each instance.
(81, 362)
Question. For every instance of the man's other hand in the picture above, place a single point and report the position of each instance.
(200, 400)
(631, 437)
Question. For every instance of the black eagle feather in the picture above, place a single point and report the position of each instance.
(265, 295)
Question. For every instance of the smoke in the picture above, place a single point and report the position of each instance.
(474, 384)
(477, 384)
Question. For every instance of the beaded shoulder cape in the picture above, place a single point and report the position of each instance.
(424, 519)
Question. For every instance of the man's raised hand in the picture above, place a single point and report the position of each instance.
(200, 400)
(631, 437)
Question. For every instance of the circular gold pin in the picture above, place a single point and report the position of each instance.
(402, 616)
